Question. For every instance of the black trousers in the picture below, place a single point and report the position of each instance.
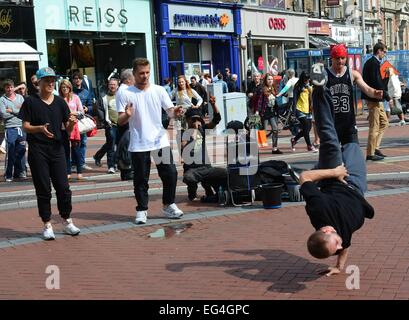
(141, 162)
(47, 162)
(210, 177)
(305, 125)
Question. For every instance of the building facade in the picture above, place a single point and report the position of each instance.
(267, 33)
(95, 36)
(18, 58)
(196, 37)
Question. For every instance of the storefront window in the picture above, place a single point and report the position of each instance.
(191, 51)
(8, 70)
(96, 55)
(175, 53)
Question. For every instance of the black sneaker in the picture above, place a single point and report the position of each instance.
(209, 199)
(374, 158)
(379, 153)
(97, 162)
(278, 151)
(319, 76)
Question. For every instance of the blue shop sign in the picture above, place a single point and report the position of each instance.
(201, 19)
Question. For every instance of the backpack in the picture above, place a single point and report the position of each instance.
(123, 155)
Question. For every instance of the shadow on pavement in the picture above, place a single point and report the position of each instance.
(102, 216)
(285, 271)
(10, 234)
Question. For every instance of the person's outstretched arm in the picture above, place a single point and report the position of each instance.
(339, 173)
(216, 114)
(370, 92)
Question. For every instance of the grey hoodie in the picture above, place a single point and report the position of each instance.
(11, 120)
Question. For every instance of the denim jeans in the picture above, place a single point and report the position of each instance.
(331, 154)
(109, 146)
(16, 149)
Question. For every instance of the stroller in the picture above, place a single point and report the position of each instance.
(241, 172)
(286, 119)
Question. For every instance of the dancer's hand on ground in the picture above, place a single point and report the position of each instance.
(330, 271)
(341, 173)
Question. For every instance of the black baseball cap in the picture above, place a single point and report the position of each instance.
(194, 113)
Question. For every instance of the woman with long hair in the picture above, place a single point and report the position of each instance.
(186, 97)
(74, 103)
(302, 108)
(266, 103)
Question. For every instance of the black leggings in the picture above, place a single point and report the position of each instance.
(305, 125)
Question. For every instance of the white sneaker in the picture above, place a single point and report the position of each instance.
(86, 167)
(141, 217)
(48, 233)
(173, 212)
(70, 228)
(402, 122)
(111, 170)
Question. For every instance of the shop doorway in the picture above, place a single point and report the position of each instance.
(96, 55)
(221, 55)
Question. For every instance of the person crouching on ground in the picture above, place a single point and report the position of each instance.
(196, 166)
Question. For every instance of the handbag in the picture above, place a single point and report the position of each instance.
(85, 123)
(75, 134)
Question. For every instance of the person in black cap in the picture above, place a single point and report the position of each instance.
(43, 116)
(197, 167)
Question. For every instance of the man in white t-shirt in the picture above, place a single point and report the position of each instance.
(141, 105)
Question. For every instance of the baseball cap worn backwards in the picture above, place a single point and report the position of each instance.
(192, 113)
(45, 72)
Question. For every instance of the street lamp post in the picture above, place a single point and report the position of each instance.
(250, 48)
(363, 27)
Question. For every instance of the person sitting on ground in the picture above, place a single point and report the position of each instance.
(196, 166)
(336, 206)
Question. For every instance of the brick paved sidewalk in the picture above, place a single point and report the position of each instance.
(249, 255)
(213, 253)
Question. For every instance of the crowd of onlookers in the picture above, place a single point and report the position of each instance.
(265, 94)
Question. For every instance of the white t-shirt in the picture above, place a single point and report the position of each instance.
(145, 125)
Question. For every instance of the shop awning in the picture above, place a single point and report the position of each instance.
(17, 51)
(317, 41)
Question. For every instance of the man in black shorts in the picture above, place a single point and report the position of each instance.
(336, 207)
(43, 116)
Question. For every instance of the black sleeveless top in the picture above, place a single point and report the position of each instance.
(343, 101)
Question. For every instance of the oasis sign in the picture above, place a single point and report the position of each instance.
(277, 24)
